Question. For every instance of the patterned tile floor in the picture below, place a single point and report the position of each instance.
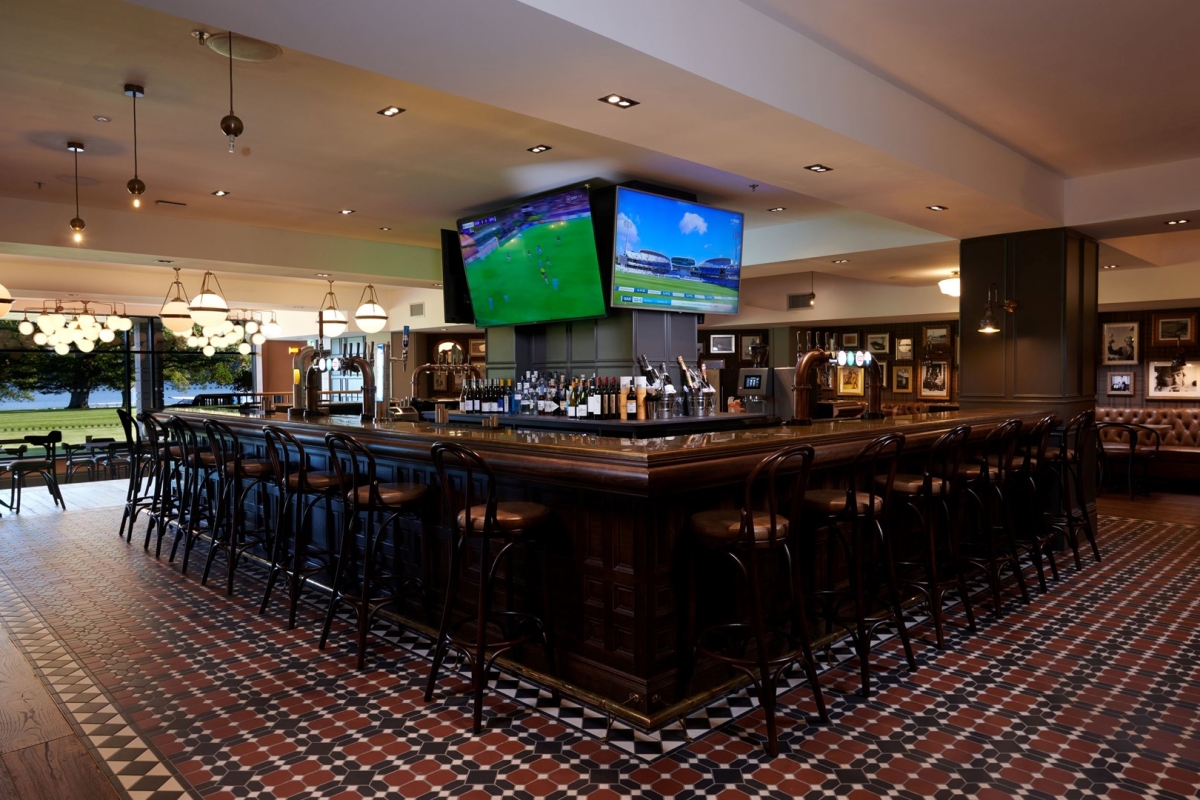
(1092, 690)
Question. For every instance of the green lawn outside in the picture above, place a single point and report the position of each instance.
(76, 425)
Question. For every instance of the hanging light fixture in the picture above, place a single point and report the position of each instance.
(208, 308)
(989, 323)
(331, 319)
(175, 314)
(951, 286)
(77, 224)
(1180, 359)
(135, 185)
(272, 328)
(370, 316)
(6, 300)
(231, 125)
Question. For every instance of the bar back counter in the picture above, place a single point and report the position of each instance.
(620, 509)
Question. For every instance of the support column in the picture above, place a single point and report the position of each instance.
(1044, 355)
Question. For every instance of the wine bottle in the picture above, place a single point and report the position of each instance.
(689, 388)
(630, 403)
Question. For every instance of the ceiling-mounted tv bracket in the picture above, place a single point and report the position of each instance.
(753, 187)
(202, 37)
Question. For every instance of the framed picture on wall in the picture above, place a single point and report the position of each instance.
(879, 344)
(850, 381)
(902, 380)
(935, 380)
(937, 337)
(721, 343)
(1164, 382)
(849, 341)
(748, 341)
(1120, 383)
(441, 382)
(1119, 343)
(476, 348)
(904, 349)
(1172, 328)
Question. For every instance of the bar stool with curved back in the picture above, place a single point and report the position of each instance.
(990, 545)
(46, 466)
(477, 515)
(140, 492)
(854, 516)
(237, 477)
(1136, 445)
(160, 455)
(744, 536)
(1027, 492)
(194, 489)
(363, 495)
(298, 488)
(933, 498)
(1078, 443)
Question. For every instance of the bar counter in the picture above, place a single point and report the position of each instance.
(620, 506)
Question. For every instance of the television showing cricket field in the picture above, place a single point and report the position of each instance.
(672, 255)
(534, 261)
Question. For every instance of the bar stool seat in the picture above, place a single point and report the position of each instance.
(312, 481)
(911, 484)
(391, 494)
(203, 459)
(833, 501)
(250, 468)
(722, 526)
(511, 516)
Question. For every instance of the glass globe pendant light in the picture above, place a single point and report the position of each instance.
(175, 314)
(332, 319)
(6, 300)
(370, 316)
(208, 307)
(135, 185)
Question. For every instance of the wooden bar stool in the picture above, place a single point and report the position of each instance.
(237, 477)
(990, 544)
(139, 493)
(477, 516)
(1027, 496)
(744, 536)
(933, 498)
(194, 489)
(854, 517)
(158, 501)
(1078, 443)
(382, 504)
(298, 488)
(46, 466)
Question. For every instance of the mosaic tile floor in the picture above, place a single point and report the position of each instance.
(1092, 690)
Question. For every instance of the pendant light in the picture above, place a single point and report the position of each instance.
(6, 300)
(135, 185)
(175, 314)
(951, 286)
(208, 308)
(331, 318)
(77, 224)
(370, 316)
(231, 125)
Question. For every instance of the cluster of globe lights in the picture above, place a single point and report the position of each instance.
(229, 332)
(61, 330)
(209, 311)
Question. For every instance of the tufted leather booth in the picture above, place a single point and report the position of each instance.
(904, 409)
(1179, 455)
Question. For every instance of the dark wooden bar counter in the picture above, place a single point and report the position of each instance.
(620, 507)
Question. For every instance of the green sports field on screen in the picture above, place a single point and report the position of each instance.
(516, 284)
(663, 292)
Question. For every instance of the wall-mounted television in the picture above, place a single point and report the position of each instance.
(672, 255)
(456, 299)
(534, 261)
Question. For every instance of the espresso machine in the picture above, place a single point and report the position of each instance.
(755, 384)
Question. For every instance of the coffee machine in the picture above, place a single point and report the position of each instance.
(755, 384)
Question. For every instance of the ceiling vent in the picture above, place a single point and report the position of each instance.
(244, 47)
(796, 302)
(416, 309)
(170, 203)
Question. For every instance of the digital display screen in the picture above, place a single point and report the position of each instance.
(534, 261)
(752, 382)
(672, 255)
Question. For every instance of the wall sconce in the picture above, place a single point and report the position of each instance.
(989, 323)
(1180, 359)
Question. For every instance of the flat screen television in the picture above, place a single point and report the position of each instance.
(534, 261)
(673, 255)
(456, 300)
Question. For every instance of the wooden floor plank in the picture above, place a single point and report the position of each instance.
(27, 714)
(7, 790)
(56, 770)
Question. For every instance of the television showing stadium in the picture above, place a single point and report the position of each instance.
(534, 261)
(672, 255)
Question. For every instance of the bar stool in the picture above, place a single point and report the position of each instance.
(1027, 496)
(744, 536)
(195, 477)
(157, 500)
(476, 515)
(298, 488)
(46, 466)
(854, 517)
(933, 497)
(139, 492)
(237, 477)
(363, 494)
(1068, 463)
(990, 543)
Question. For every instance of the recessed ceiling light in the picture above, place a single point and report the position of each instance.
(102, 118)
(346, 211)
(220, 193)
(390, 111)
(938, 208)
(618, 101)
(322, 274)
(819, 168)
(1111, 266)
(539, 148)
(842, 261)
(1178, 221)
(385, 228)
(777, 208)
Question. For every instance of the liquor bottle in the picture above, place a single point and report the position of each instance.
(463, 397)
(561, 397)
(631, 404)
(510, 398)
(593, 401)
(689, 388)
(606, 398)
